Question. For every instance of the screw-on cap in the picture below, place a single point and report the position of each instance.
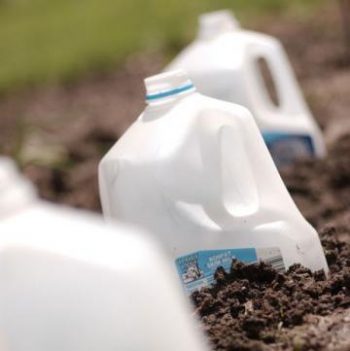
(167, 85)
(215, 23)
(15, 190)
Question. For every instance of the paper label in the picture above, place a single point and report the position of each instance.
(286, 148)
(197, 270)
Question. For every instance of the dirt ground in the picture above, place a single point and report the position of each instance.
(59, 133)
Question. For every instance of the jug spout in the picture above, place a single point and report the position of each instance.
(169, 85)
(216, 23)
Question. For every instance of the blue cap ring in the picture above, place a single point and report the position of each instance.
(171, 92)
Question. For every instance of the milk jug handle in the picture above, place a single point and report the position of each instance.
(216, 142)
(281, 73)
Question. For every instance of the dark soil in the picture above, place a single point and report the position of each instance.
(59, 133)
(321, 188)
(255, 308)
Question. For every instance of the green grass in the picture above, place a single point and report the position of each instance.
(57, 40)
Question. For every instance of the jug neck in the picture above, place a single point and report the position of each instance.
(216, 23)
(16, 192)
(168, 87)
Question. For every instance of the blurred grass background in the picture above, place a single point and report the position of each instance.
(45, 41)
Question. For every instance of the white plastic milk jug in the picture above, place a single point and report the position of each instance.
(68, 282)
(196, 173)
(223, 62)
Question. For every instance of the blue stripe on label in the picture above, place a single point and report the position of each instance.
(170, 92)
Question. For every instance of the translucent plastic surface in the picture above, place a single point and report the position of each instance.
(196, 173)
(224, 62)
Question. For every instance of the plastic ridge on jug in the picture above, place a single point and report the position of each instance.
(69, 282)
(196, 173)
(225, 62)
